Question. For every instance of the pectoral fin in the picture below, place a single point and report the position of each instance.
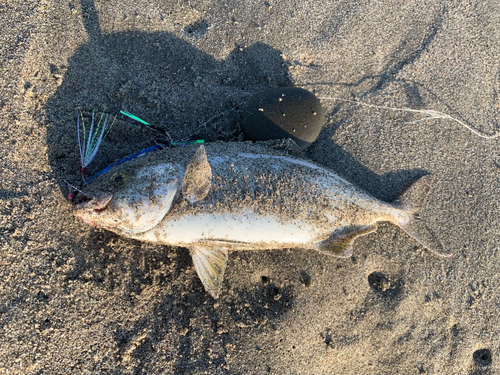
(198, 177)
(210, 265)
(340, 242)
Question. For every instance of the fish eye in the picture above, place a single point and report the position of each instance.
(120, 177)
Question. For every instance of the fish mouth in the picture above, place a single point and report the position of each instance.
(86, 210)
(96, 204)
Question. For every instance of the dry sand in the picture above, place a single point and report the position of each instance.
(77, 300)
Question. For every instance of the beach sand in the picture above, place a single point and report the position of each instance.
(78, 300)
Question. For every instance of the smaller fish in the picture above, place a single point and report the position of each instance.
(240, 196)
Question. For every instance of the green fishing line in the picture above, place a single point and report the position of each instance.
(134, 117)
(188, 142)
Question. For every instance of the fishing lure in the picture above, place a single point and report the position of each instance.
(89, 140)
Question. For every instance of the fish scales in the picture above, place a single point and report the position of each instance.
(250, 188)
(289, 192)
(241, 196)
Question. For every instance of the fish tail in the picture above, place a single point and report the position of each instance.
(411, 201)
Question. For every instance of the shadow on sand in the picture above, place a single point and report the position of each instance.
(173, 85)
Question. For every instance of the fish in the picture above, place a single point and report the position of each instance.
(222, 197)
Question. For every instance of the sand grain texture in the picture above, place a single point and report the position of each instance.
(77, 300)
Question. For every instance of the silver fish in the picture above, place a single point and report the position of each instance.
(242, 196)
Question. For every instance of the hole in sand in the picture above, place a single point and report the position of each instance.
(482, 357)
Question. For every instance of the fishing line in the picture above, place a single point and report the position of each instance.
(431, 115)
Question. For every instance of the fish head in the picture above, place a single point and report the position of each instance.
(125, 200)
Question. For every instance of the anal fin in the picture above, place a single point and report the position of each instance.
(339, 243)
(210, 265)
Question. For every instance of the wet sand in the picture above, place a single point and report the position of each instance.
(78, 300)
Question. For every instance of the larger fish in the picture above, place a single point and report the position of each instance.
(240, 196)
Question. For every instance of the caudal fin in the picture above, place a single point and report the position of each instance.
(412, 200)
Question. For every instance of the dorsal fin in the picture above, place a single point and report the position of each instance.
(210, 265)
(198, 177)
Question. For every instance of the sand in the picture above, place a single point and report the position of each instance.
(77, 300)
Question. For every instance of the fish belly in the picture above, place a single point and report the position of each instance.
(239, 230)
